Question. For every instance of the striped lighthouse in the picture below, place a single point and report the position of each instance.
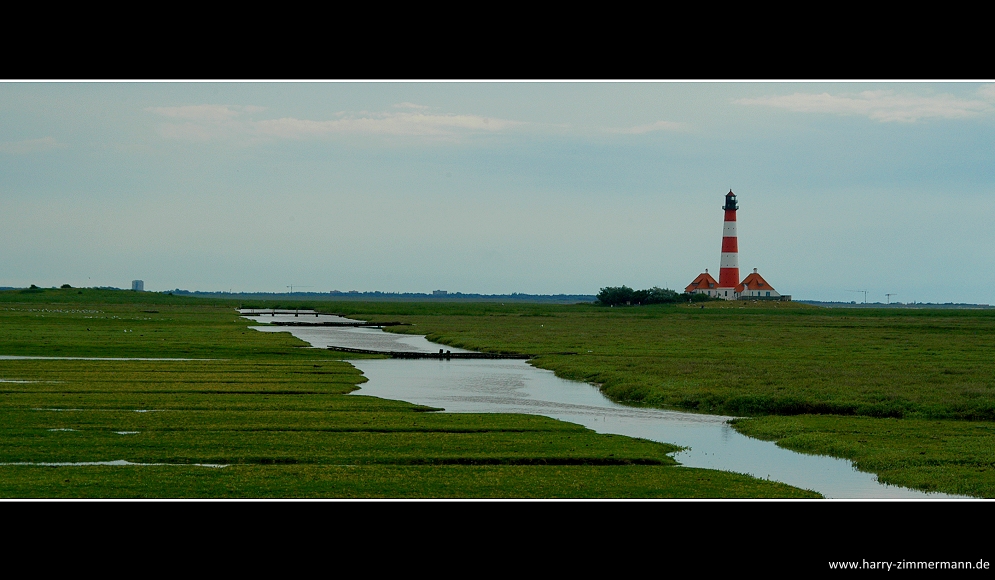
(729, 264)
(728, 286)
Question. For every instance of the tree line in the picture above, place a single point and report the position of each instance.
(612, 296)
(623, 295)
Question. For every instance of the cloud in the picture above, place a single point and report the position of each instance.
(202, 113)
(411, 124)
(884, 106)
(30, 146)
(206, 122)
(658, 126)
(987, 92)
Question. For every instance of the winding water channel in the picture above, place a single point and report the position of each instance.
(513, 386)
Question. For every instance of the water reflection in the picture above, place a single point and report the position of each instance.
(349, 337)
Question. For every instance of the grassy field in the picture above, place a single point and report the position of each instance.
(252, 414)
(907, 394)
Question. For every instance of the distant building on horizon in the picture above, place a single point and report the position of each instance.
(138, 285)
(728, 287)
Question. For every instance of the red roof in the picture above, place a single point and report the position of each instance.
(704, 281)
(754, 282)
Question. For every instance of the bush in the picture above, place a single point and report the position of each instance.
(611, 296)
(623, 295)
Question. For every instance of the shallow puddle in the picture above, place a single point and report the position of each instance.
(18, 357)
(116, 463)
(105, 410)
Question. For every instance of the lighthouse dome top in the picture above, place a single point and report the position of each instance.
(730, 202)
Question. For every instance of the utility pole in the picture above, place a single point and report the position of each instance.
(889, 296)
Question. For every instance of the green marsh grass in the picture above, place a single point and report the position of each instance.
(276, 415)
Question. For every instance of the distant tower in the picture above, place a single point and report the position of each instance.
(138, 285)
(729, 264)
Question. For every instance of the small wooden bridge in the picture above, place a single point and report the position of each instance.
(441, 355)
(341, 324)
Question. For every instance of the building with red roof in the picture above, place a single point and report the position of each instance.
(754, 286)
(703, 284)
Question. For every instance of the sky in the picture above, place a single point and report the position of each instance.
(499, 187)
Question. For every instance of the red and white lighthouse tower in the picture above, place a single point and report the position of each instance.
(729, 264)
(728, 286)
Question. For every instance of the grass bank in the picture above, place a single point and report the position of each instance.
(955, 457)
(252, 414)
